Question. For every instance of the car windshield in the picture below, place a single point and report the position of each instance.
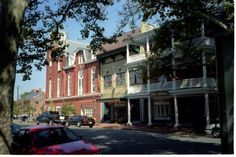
(54, 136)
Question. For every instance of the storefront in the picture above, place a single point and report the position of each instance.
(114, 110)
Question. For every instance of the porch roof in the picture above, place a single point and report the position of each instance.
(192, 91)
(113, 100)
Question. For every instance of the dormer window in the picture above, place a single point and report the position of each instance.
(59, 65)
(70, 59)
(80, 59)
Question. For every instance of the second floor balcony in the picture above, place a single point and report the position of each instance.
(190, 83)
(136, 58)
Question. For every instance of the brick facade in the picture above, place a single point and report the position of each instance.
(58, 93)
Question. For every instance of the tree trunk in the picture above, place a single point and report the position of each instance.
(11, 14)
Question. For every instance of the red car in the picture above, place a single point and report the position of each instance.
(46, 139)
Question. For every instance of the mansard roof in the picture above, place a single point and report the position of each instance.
(75, 46)
(116, 46)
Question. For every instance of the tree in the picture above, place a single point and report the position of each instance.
(29, 28)
(23, 106)
(67, 109)
(180, 20)
(42, 107)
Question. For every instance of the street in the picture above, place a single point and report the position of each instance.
(123, 141)
(115, 141)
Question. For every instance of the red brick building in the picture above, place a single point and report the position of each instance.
(74, 80)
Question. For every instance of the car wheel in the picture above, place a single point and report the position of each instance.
(79, 124)
(90, 126)
(67, 124)
(215, 132)
(50, 122)
(38, 123)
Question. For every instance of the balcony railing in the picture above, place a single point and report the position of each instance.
(135, 58)
(137, 89)
(161, 86)
(189, 83)
(204, 41)
(168, 85)
(195, 83)
(211, 82)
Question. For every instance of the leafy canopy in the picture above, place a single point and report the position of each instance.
(180, 21)
(42, 22)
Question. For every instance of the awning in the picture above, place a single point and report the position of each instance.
(114, 100)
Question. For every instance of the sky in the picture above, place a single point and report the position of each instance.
(38, 78)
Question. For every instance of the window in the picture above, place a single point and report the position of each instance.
(135, 77)
(70, 59)
(23, 139)
(88, 112)
(80, 59)
(69, 85)
(59, 65)
(50, 89)
(53, 136)
(50, 63)
(93, 85)
(80, 82)
(120, 79)
(58, 87)
(107, 81)
(162, 109)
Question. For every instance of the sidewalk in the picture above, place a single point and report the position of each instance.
(154, 129)
(157, 129)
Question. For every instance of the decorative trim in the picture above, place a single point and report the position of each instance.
(72, 97)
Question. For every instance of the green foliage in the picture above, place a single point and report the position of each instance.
(41, 25)
(52, 106)
(182, 21)
(67, 109)
(15, 109)
(42, 108)
(22, 106)
(24, 95)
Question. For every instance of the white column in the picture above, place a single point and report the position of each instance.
(174, 75)
(207, 114)
(149, 111)
(148, 85)
(127, 52)
(148, 76)
(147, 45)
(127, 71)
(176, 112)
(128, 81)
(141, 104)
(129, 113)
(173, 63)
(204, 69)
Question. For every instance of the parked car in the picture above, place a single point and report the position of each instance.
(80, 120)
(214, 130)
(15, 128)
(50, 117)
(50, 139)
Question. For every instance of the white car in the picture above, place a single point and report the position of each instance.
(214, 130)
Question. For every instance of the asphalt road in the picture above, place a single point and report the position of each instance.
(115, 141)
